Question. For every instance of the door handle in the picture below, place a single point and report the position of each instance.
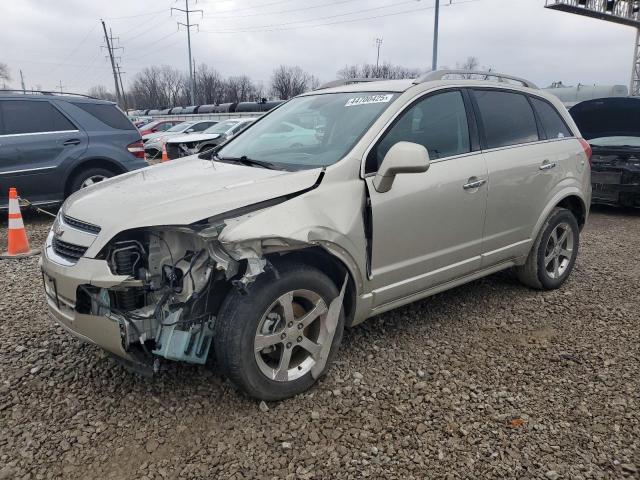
(547, 165)
(73, 141)
(471, 183)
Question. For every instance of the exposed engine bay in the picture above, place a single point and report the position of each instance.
(163, 309)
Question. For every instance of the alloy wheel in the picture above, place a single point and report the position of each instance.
(93, 179)
(291, 335)
(559, 250)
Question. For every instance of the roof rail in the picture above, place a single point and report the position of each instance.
(440, 74)
(347, 81)
(45, 92)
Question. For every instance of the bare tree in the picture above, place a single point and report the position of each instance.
(472, 64)
(386, 71)
(287, 82)
(158, 87)
(210, 86)
(241, 89)
(5, 76)
(100, 91)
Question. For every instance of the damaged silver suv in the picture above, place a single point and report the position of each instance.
(340, 204)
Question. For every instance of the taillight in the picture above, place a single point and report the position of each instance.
(137, 149)
(588, 151)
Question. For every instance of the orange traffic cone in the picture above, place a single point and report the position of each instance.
(165, 157)
(17, 235)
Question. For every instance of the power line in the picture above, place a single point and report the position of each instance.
(260, 6)
(325, 17)
(156, 47)
(277, 27)
(220, 17)
(137, 16)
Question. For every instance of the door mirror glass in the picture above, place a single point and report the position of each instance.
(403, 157)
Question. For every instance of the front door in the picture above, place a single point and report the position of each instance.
(428, 228)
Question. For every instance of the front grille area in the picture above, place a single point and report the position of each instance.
(80, 225)
(68, 250)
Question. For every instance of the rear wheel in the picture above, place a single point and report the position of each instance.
(268, 340)
(554, 252)
(89, 177)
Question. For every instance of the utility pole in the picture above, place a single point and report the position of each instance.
(60, 86)
(113, 63)
(124, 95)
(434, 58)
(378, 45)
(188, 26)
(24, 90)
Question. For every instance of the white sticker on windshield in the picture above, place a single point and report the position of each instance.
(352, 102)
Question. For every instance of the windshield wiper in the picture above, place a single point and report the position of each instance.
(250, 162)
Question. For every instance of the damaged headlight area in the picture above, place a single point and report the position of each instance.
(175, 278)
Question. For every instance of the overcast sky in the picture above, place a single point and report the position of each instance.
(59, 41)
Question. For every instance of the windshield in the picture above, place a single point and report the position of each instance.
(222, 127)
(310, 131)
(180, 127)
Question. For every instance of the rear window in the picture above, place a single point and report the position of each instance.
(552, 122)
(32, 116)
(507, 118)
(107, 114)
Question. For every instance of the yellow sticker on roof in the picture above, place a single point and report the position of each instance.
(352, 102)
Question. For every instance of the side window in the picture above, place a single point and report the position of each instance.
(202, 126)
(507, 118)
(32, 116)
(552, 122)
(439, 122)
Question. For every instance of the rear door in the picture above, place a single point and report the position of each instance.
(35, 140)
(524, 167)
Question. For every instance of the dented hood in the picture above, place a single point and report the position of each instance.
(180, 192)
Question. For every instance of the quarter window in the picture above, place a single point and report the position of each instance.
(32, 116)
(108, 114)
(552, 123)
(439, 122)
(507, 118)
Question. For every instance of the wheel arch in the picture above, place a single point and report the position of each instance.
(330, 265)
(572, 200)
(94, 162)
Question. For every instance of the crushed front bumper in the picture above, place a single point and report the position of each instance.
(61, 284)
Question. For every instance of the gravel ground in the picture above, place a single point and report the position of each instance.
(490, 380)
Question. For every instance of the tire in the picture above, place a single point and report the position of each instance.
(243, 320)
(85, 175)
(553, 255)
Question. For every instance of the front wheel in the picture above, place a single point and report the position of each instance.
(554, 252)
(268, 340)
(89, 177)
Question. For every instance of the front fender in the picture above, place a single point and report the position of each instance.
(319, 217)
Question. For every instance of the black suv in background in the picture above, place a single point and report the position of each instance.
(52, 145)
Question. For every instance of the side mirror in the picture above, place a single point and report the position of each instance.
(403, 157)
(191, 130)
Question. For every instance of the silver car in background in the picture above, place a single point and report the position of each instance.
(261, 253)
(185, 145)
(154, 142)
